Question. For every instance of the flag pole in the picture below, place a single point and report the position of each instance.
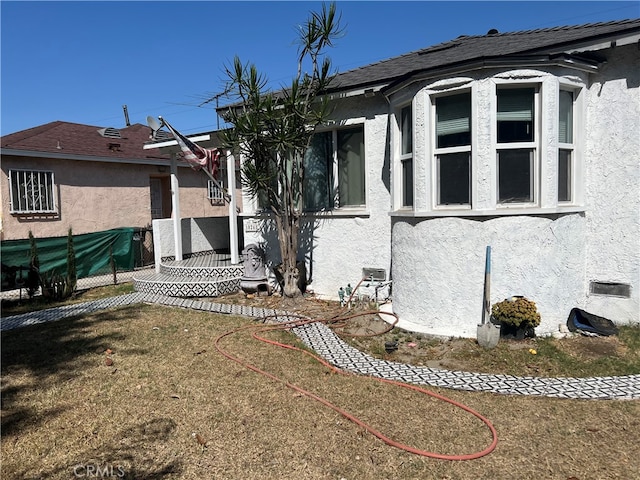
(233, 212)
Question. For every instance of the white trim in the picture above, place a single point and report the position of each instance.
(535, 145)
(433, 159)
(499, 212)
(174, 143)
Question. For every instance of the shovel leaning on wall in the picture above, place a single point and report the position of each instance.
(488, 333)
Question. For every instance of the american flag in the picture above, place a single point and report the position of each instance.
(195, 155)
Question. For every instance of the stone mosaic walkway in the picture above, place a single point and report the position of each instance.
(328, 345)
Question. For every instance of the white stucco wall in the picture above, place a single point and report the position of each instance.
(546, 254)
(198, 235)
(345, 240)
(613, 184)
(438, 269)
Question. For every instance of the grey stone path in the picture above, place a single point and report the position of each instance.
(320, 338)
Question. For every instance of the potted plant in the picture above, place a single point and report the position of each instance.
(518, 317)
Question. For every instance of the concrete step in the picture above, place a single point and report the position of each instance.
(186, 286)
(212, 272)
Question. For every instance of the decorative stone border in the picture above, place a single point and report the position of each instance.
(328, 345)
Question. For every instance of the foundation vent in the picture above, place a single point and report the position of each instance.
(610, 289)
(374, 274)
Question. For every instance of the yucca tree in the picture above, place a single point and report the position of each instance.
(273, 130)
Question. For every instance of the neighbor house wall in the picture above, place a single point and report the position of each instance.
(96, 196)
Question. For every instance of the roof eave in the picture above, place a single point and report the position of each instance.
(85, 158)
(206, 140)
(563, 60)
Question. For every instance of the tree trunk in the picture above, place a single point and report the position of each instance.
(291, 289)
(288, 234)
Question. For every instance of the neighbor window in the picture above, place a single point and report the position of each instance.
(566, 147)
(516, 135)
(214, 192)
(453, 149)
(406, 155)
(335, 170)
(31, 191)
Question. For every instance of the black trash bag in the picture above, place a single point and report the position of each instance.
(579, 320)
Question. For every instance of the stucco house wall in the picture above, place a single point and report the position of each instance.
(550, 255)
(336, 245)
(612, 192)
(554, 251)
(96, 196)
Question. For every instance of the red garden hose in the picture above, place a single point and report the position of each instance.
(304, 321)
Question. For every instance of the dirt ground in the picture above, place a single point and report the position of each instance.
(132, 388)
(365, 330)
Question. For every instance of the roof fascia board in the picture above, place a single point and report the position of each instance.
(610, 42)
(174, 142)
(338, 94)
(538, 61)
(83, 158)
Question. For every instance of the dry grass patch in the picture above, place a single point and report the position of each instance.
(63, 407)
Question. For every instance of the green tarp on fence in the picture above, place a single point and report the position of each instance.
(92, 252)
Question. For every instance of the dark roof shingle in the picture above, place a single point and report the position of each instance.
(65, 138)
(545, 41)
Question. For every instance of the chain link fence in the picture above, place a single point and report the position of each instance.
(107, 266)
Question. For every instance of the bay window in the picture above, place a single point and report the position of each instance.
(495, 146)
(453, 149)
(565, 146)
(516, 149)
(406, 155)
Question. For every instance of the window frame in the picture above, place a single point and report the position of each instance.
(534, 145)
(406, 159)
(570, 147)
(214, 193)
(438, 152)
(334, 171)
(50, 194)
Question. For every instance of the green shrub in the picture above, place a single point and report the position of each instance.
(517, 312)
(55, 287)
(33, 277)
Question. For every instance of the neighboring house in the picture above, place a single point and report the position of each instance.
(90, 178)
(528, 142)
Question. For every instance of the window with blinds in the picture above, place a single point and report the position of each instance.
(565, 146)
(516, 135)
(406, 154)
(453, 149)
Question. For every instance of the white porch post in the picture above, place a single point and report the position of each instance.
(233, 212)
(175, 207)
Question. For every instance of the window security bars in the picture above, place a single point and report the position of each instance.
(31, 192)
(214, 193)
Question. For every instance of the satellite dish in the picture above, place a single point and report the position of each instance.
(153, 123)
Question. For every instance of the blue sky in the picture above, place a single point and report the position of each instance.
(82, 61)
